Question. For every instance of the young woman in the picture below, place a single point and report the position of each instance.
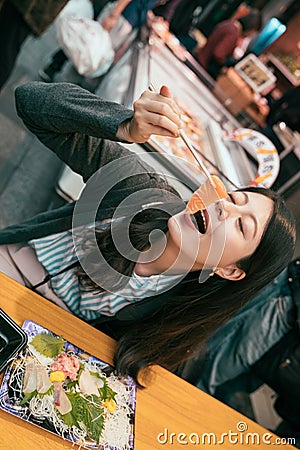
(137, 252)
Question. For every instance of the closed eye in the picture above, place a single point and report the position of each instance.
(241, 225)
(239, 220)
(231, 197)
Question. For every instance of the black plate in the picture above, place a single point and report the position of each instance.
(12, 339)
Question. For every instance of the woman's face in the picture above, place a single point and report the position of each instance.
(229, 230)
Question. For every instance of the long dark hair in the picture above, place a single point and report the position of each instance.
(192, 311)
(141, 225)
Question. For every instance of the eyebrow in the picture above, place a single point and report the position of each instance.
(253, 217)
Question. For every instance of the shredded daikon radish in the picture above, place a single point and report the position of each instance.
(17, 374)
(117, 430)
(42, 407)
(123, 392)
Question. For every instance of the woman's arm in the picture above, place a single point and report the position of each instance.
(70, 121)
(110, 21)
(74, 123)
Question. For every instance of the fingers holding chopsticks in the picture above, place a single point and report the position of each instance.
(154, 113)
(165, 91)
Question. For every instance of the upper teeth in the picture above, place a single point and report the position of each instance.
(204, 220)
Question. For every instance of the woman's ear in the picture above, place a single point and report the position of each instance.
(231, 272)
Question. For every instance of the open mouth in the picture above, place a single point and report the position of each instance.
(201, 218)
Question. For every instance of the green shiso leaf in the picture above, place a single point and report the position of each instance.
(48, 345)
(72, 417)
(87, 411)
(92, 416)
(96, 374)
(106, 393)
(27, 397)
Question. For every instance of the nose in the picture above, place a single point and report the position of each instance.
(226, 208)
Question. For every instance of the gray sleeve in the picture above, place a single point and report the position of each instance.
(74, 123)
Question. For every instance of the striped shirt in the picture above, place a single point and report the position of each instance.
(57, 251)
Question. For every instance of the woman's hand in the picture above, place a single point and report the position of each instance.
(154, 113)
(109, 22)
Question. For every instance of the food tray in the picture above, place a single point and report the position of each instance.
(117, 431)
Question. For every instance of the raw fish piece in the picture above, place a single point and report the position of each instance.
(88, 384)
(64, 405)
(43, 382)
(206, 194)
(30, 377)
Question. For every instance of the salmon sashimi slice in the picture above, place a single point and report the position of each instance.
(206, 194)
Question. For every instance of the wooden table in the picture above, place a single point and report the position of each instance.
(169, 405)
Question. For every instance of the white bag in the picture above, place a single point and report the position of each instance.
(87, 44)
